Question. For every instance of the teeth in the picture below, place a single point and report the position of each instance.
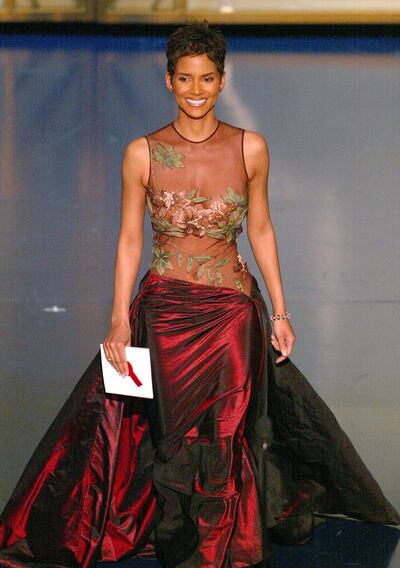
(196, 102)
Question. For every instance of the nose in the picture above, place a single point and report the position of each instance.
(196, 87)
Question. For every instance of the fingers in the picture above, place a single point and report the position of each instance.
(277, 345)
(119, 358)
(282, 347)
(275, 342)
(115, 353)
(284, 344)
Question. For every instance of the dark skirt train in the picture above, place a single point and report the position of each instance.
(232, 454)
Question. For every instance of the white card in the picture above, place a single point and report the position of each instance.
(138, 382)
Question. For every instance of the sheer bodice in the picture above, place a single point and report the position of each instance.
(197, 197)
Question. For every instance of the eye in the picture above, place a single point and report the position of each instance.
(182, 78)
(209, 79)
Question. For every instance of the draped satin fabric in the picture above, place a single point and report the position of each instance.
(207, 345)
(234, 452)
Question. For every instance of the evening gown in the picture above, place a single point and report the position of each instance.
(234, 452)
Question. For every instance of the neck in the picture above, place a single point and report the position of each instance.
(196, 128)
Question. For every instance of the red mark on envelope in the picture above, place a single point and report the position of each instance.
(135, 379)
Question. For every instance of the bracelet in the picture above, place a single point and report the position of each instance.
(286, 315)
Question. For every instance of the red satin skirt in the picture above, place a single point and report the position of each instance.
(116, 476)
(207, 347)
(196, 476)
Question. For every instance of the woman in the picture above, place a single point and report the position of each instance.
(236, 450)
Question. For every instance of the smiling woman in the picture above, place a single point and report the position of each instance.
(188, 79)
(236, 450)
(196, 84)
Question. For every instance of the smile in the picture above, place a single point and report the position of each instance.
(196, 102)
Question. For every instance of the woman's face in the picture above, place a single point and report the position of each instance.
(196, 83)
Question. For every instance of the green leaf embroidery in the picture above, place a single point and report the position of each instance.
(193, 199)
(179, 258)
(199, 199)
(173, 233)
(235, 217)
(149, 205)
(201, 259)
(189, 263)
(231, 235)
(216, 234)
(225, 231)
(210, 276)
(160, 259)
(168, 156)
(222, 262)
(199, 272)
(238, 284)
(219, 276)
(232, 196)
(164, 226)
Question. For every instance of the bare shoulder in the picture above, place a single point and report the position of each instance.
(136, 159)
(255, 143)
(255, 151)
(136, 149)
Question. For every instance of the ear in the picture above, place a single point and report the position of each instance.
(222, 82)
(168, 80)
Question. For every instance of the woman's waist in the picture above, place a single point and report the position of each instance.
(195, 245)
(215, 264)
(169, 297)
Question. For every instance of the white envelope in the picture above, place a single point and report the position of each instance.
(138, 383)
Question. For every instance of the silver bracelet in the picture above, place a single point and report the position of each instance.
(286, 315)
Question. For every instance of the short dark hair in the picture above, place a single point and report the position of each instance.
(196, 38)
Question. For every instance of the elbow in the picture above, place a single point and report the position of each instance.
(132, 244)
(257, 234)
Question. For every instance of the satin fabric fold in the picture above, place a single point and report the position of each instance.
(207, 347)
(234, 452)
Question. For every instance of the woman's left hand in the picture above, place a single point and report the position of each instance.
(283, 338)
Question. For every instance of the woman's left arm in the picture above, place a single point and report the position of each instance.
(261, 235)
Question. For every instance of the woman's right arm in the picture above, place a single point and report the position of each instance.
(134, 175)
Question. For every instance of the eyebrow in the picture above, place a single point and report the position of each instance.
(204, 74)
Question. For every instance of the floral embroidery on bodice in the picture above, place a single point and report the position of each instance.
(180, 214)
(197, 205)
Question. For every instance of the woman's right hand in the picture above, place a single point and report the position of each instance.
(114, 345)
